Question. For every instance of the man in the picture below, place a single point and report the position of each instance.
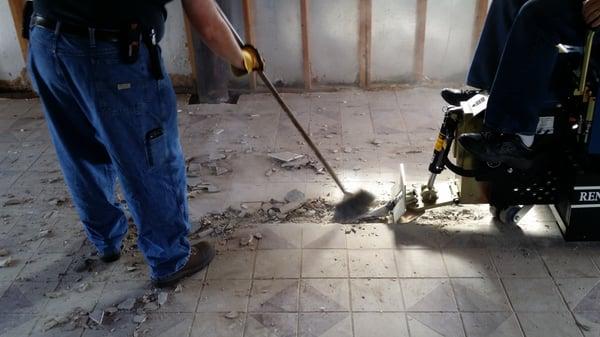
(514, 62)
(111, 112)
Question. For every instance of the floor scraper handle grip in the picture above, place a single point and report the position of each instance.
(287, 109)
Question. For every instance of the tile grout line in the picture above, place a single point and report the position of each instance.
(202, 286)
(401, 293)
(28, 167)
(508, 300)
(300, 281)
(245, 323)
(350, 307)
(562, 297)
(460, 316)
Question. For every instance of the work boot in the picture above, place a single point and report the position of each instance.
(455, 96)
(200, 256)
(498, 148)
(110, 257)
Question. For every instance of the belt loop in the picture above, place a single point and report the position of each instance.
(92, 35)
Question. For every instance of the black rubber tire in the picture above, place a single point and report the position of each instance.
(508, 215)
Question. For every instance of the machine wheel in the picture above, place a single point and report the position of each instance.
(507, 215)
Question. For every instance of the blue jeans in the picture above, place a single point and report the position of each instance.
(516, 57)
(112, 120)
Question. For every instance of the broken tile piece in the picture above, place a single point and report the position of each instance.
(111, 310)
(289, 207)
(83, 287)
(162, 298)
(139, 319)
(44, 233)
(245, 240)
(232, 315)
(128, 304)
(219, 171)
(16, 201)
(152, 306)
(286, 156)
(4, 263)
(97, 316)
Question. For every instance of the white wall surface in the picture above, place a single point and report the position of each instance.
(282, 48)
(333, 29)
(393, 40)
(11, 59)
(174, 45)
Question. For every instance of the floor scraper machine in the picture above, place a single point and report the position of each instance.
(566, 168)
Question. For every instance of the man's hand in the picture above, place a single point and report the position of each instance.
(591, 13)
(252, 61)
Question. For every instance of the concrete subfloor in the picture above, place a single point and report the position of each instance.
(462, 274)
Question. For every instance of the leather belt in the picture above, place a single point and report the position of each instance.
(81, 31)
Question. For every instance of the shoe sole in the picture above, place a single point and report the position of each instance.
(175, 279)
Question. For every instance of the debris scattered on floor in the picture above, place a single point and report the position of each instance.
(4, 252)
(347, 149)
(294, 161)
(232, 315)
(75, 319)
(246, 240)
(128, 304)
(58, 201)
(7, 262)
(82, 287)
(195, 189)
(224, 223)
(14, 201)
(215, 163)
(51, 180)
(376, 142)
(286, 157)
(271, 171)
(97, 316)
(44, 233)
(139, 319)
(448, 215)
(162, 298)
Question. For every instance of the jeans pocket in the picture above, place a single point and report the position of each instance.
(156, 147)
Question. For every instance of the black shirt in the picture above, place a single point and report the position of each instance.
(107, 14)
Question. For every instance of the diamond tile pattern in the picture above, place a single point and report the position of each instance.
(460, 277)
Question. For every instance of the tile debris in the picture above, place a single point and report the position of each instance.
(7, 262)
(232, 315)
(286, 157)
(12, 201)
(162, 298)
(128, 304)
